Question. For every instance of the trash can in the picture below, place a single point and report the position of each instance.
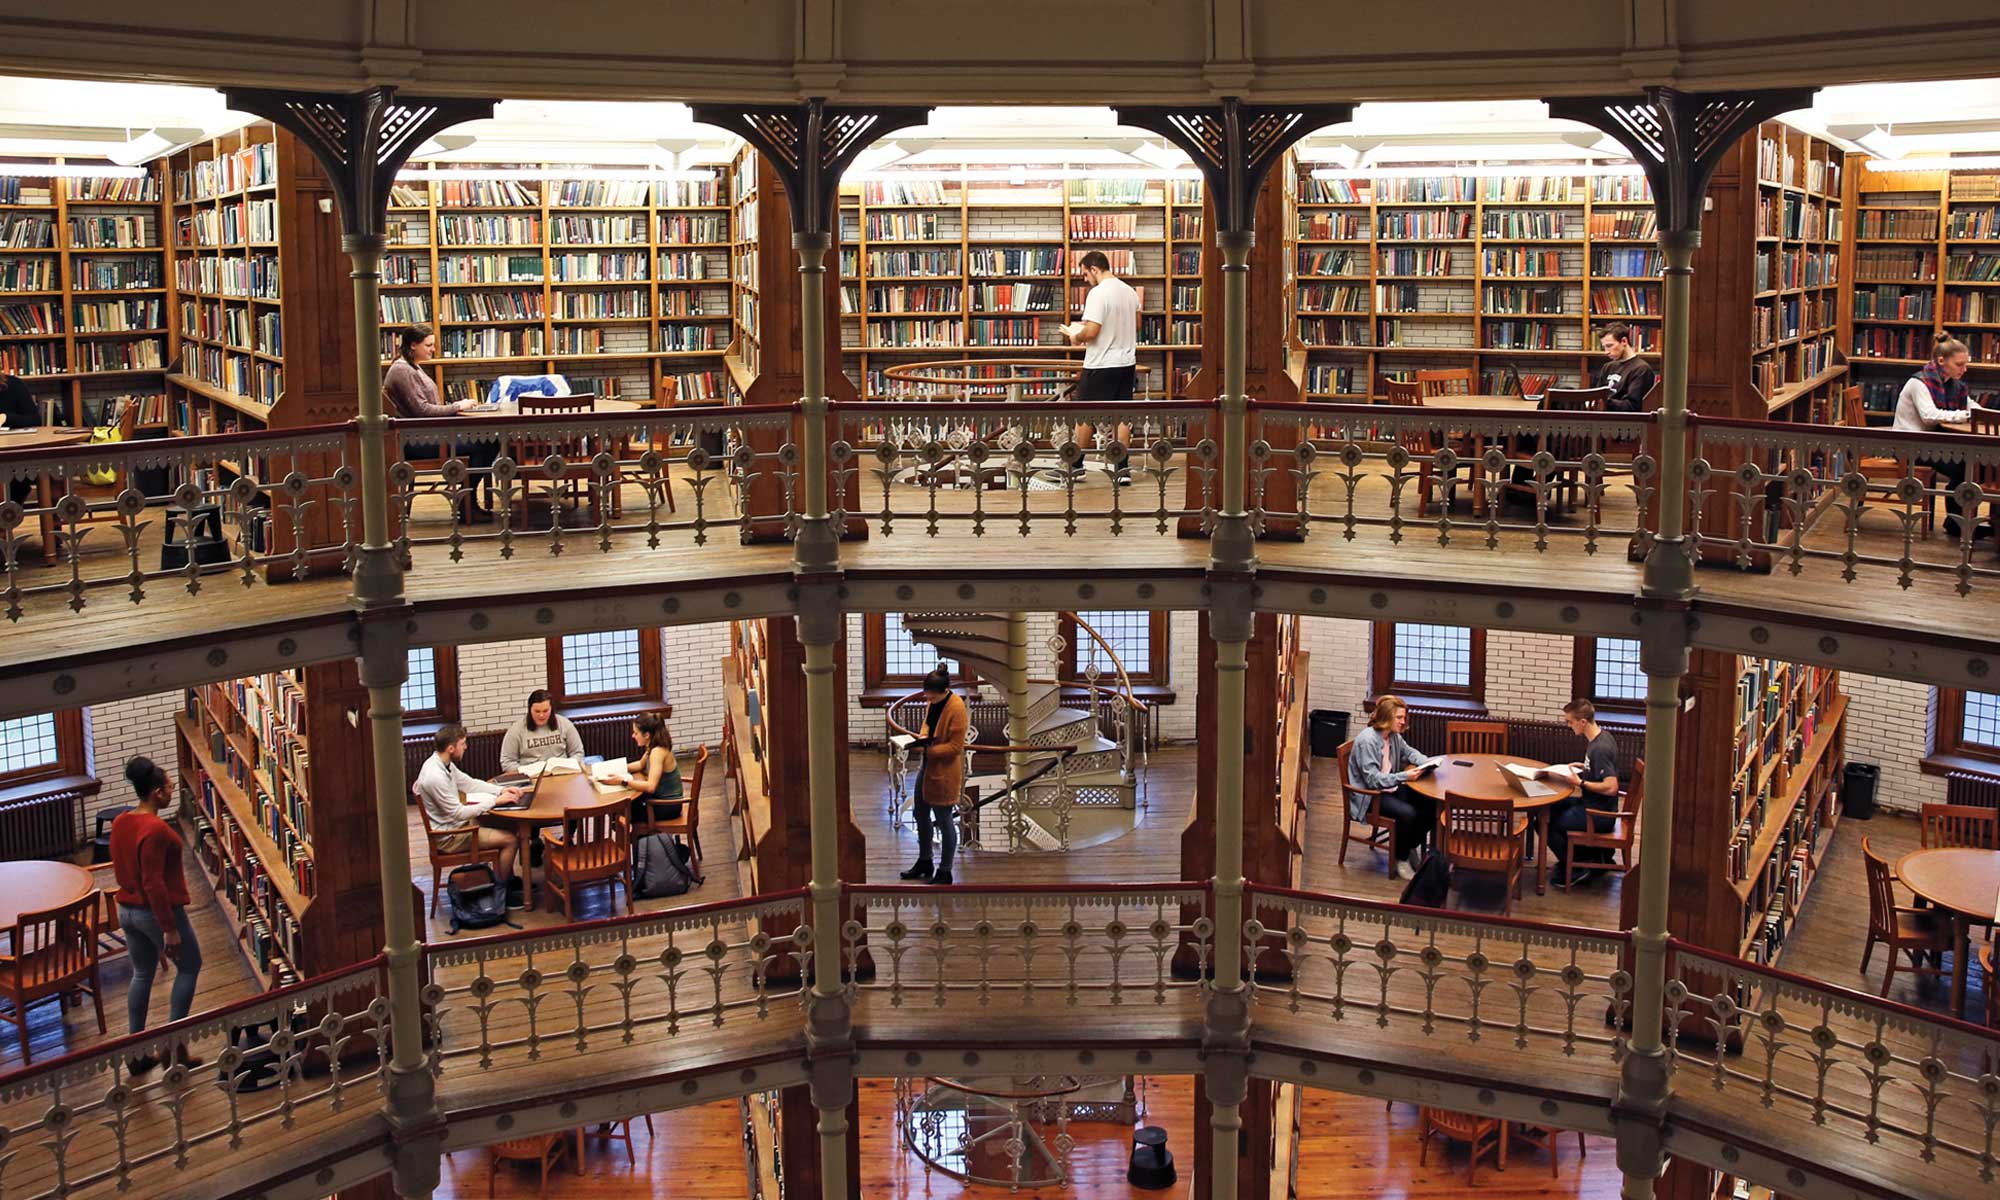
(1857, 790)
(1328, 729)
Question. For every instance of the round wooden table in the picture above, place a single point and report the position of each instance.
(1964, 884)
(558, 793)
(46, 438)
(1486, 403)
(1481, 779)
(34, 885)
(603, 404)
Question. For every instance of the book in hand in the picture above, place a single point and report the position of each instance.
(907, 741)
(607, 771)
(1561, 772)
(1430, 764)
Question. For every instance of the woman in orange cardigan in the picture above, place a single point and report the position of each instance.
(942, 740)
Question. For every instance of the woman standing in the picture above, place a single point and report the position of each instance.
(1937, 394)
(152, 904)
(652, 771)
(412, 393)
(541, 735)
(946, 724)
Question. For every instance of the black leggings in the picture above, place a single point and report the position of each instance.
(1414, 814)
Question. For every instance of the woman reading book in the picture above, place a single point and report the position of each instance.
(653, 772)
(1382, 761)
(411, 393)
(942, 740)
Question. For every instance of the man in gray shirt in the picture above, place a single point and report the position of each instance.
(541, 735)
(1597, 781)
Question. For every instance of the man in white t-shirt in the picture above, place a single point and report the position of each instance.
(1110, 331)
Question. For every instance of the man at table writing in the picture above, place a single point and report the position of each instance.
(1630, 377)
(454, 802)
(1597, 787)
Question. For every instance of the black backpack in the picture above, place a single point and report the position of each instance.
(660, 867)
(1431, 887)
(475, 898)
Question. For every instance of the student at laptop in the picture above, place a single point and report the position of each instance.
(1382, 761)
(1597, 779)
(455, 801)
(541, 735)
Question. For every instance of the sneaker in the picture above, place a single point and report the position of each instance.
(1585, 877)
(942, 879)
(1405, 871)
(921, 871)
(1123, 477)
(141, 1064)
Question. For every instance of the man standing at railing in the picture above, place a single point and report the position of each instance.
(1109, 332)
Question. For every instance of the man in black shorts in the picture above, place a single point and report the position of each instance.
(1109, 332)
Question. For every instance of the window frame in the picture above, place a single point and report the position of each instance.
(1382, 670)
(1583, 681)
(879, 688)
(1151, 679)
(72, 751)
(652, 683)
(444, 681)
(1949, 751)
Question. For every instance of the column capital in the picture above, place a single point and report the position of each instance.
(820, 614)
(1232, 608)
(810, 144)
(1235, 144)
(384, 656)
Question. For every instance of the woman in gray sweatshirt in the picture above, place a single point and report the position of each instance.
(542, 734)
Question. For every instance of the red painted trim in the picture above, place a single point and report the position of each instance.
(1443, 914)
(605, 924)
(689, 412)
(1846, 994)
(96, 451)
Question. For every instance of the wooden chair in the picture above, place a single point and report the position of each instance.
(104, 496)
(110, 929)
(1968, 825)
(52, 953)
(1421, 445)
(1381, 830)
(1616, 830)
(1484, 837)
(1908, 931)
(1991, 985)
(593, 845)
(531, 451)
(1885, 470)
(1485, 1135)
(612, 1131)
(1985, 421)
(443, 861)
(1454, 382)
(1544, 1136)
(688, 824)
(1570, 447)
(1475, 737)
(544, 1149)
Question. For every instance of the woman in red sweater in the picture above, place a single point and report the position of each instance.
(152, 902)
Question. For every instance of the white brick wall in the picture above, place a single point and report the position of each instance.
(1527, 674)
(494, 679)
(141, 725)
(1886, 725)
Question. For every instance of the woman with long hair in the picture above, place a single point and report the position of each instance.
(411, 393)
(1937, 395)
(152, 903)
(652, 771)
(1380, 760)
(542, 734)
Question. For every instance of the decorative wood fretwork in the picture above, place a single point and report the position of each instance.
(1235, 145)
(810, 145)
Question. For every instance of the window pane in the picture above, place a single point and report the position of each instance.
(1130, 635)
(903, 655)
(1618, 673)
(27, 743)
(594, 663)
(420, 693)
(1982, 719)
(1434, 654)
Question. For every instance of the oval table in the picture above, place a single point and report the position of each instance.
(558, 793)
(1480, 778)
(1963, 883)
(44, 438)
(34, 886)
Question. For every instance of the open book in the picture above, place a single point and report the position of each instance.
(608, 771)
(551, 767)
(1432, 763)
(1524, 780)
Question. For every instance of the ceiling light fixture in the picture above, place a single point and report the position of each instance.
(152, 144)
(1017, 174)
(1970, 162)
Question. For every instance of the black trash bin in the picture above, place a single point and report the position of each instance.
(1857, 790)
(1328, 729)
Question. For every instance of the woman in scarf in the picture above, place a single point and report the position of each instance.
(1934, 396)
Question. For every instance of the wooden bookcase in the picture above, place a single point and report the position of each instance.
(83, 295)
(970, 268)
(278, 805)
(1926, 251)
(620, 285)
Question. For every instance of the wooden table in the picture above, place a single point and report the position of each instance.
(558, 792)
(604, 404)
(46, 438)
(1488, 404)
(1481, 779)
(34, 885)
(1964, 884)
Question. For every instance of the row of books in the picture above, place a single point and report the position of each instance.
(1627, 224)
(239, 170)
(922, 297)
(1332, 297)
(138, 355)
(1523, 189)
(1425, 223)
(1103, 227)
(685, 338)
(229, 225)
(1334, 379)
(1519, 335)
(1016, 297)
(1981, 223)
(464, 229)
(1520, 298)
(594, 230)
(515, 305)
(1891, 302)
(16, 190)
(1003, 261)
(25, 274)
(31, 358)
(904, 226)
(575, 303)
(1910, 223)
(1003, 331)
(22, 320)
(121, 232)
(1625, 300)
(254, 276)
(112, 316)
(23, 231)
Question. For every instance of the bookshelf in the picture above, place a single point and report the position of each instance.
(622, 286)
(83, 300)
(280, 813)
(1797, 272)
(1926, 250)
(969, 268)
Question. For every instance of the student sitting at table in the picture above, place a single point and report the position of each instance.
(455, 801)
(18, 411)
(541, 735)
(652, 771)
(1629, 376)
(1597, 781)
(1382, 761)
(1934, 396)
(410, 392)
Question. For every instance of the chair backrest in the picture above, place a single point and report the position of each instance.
(1985, 420)
(1475, 737)
(1576, 399)
(1850, 407)
(596, 836)
(694, 782)
(1349, 794)
(1410, 395)
(1407, 394)
(1967, 825)
(1635, 788)
(55, 944)
(1456, 381)
(1881, 890)
(1652, 401)
(533, 448)
(1479, 830)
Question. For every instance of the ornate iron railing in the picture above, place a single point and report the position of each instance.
(88, 1124)
(1910, 1082)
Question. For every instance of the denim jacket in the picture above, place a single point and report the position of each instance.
(1364, 765)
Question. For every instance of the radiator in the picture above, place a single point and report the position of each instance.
(1544, 741)
(45, 826)
(1967, 787)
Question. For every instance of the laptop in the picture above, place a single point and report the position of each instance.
(527, 801)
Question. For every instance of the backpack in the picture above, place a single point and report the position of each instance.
(1431, 887)
(660, 867)
(475, 898)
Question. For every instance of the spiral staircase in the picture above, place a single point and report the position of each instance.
(1073, 775)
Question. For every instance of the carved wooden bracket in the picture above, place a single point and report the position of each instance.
(1235, 145)
(810, 145)
(1679, 137)
(361, 138)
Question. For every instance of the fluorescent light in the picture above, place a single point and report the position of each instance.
(69, 171)
(1020, 174)
(1484, 170)
(1970, 162)
(531, 174)
(974, 117)
(152, 144)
